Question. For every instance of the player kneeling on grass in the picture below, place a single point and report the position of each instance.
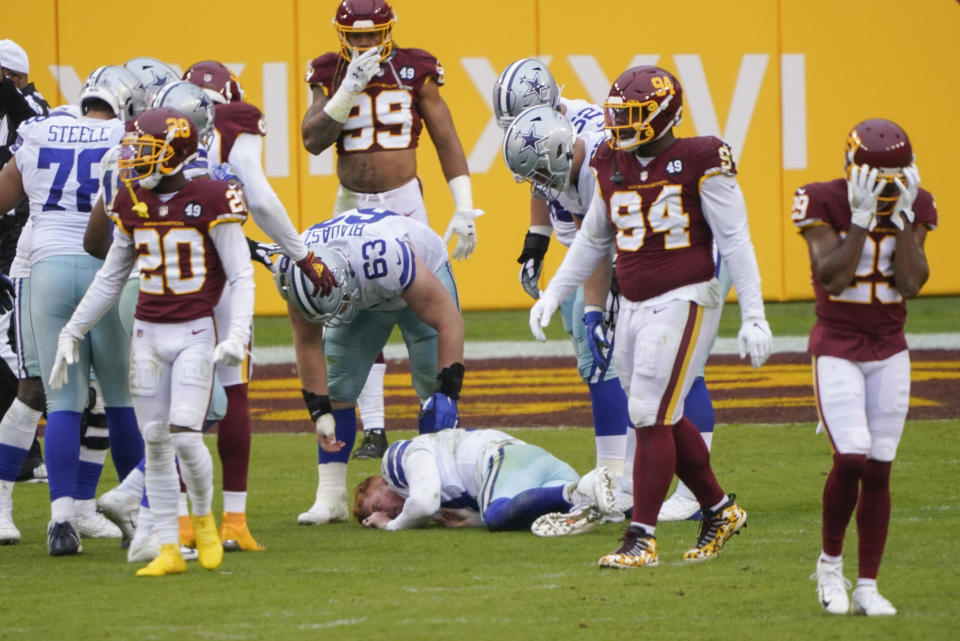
(465, 478)
(186, 236)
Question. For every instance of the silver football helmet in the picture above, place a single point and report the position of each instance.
(525, 83)
(193, 102)
(153, 74)
(115, 86)
(538, 148)
(339, 308)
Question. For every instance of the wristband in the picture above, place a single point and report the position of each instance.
(462, 193)
(317, 404)
(450, 381)
(340, 104)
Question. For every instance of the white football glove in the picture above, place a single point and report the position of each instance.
(540, 314)
(68, 352)
(361, 69)
(466, 230)
(863, 189)
(229, 352)
(756, 339)
(908, 195)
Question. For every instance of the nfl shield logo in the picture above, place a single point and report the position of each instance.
(163, 210)
(643, 176)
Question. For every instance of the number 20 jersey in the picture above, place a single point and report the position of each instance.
(181, 276)
(865, 321)
(385, 115)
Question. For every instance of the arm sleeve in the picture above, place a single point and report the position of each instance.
(265, 207)
(235, 256)
(590, 246)
(105, 288)
(726, 213)
(423, 478)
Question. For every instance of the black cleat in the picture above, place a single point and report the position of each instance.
(62, 539)
(373, 446)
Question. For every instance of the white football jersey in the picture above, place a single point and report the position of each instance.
(59, 159)
(585, 116)
(574, 200)
(461, 457)
(380, 246)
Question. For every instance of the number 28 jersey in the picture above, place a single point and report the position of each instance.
(865, 321)
(385, 115)
(181, 276)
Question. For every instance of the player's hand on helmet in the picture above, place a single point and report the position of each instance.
(229, 352)
(68, 353)
(903, 208)
(318, 273)
(601, 345)
(262, 252)
(439, 412)
(7, 294)
(863, 189)
(755, 339)
(540, 315)
(531, 260)
(361, 69)
(463, 226)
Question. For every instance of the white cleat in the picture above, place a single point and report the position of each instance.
(143, 549)
(866, 600)
(325, 511)
(595, 488)
(832, 587)
(677, 508)
(576, 521)
(9, 534)
(122, 510)
(188, 553)
(96, 526)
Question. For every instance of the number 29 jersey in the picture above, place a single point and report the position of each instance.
(865, 321)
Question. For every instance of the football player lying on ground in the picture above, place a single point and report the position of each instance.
(470, 478)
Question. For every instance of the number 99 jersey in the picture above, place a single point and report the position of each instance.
(380, 247)
(871, 305)
(385, 115)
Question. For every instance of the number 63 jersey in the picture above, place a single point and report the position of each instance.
(865, 321)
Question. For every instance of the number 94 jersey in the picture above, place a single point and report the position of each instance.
(385, 115)
(181, 276)
(871, 307)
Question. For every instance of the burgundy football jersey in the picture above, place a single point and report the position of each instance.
(663, 241)
(385, 115)
(181, 277)
(865, 321)
(234, 118)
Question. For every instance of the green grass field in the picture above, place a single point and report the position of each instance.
(344, 582)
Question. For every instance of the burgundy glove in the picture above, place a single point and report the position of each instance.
(319, 274)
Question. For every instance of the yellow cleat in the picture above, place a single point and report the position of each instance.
(716, 529)
(187, 535)
(209, 548)
(235, 535)
(637, 550)
(169, 561)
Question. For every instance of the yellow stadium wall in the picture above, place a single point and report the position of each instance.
(782, 82)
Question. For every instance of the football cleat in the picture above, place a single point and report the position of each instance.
(678, 508)
(373, 446)
(324, 511)
(167, 562)
(144, 547)
(122, 509)
(716, 529)
(188, 536)
(9, 534)
(867, 600)
(188, 554)
(576, 521)
(595, 488)
(637, 550)
(96, 526)
(62, 539)
(832, 587)
(235, 535)
(209, 548)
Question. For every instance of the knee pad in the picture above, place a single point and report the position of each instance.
(196, 370)
(185, 443)
(156, 432)
(884, 448)
(848, 440)
(642, 413)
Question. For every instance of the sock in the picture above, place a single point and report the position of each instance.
(17, 431)
(62, 442)
(133, 483)
(610, 421)
(196, 470)
(863, 582)
(698, 407)
(520, 511)
(840, 495)
(94, 442)
(693, 464)
(346, 430)
(183, 507)
(233, 439)
(873, 516)
(647, 528)
(162, 482)
(332, 482)
(234, 502)
(829, 558)
(370, 400)
(653, 469)
(61, 509)
(126, 444)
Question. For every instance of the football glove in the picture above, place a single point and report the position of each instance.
(903, 209)
(531, 258)
(439, 412)
(7, 294)
(863, 189)
(540, 315)
(318, 273)
(361, 69)
(68, 352)
(261, 252)
(601, 347)
(755, 339)
(229, 352)
(463, 226)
